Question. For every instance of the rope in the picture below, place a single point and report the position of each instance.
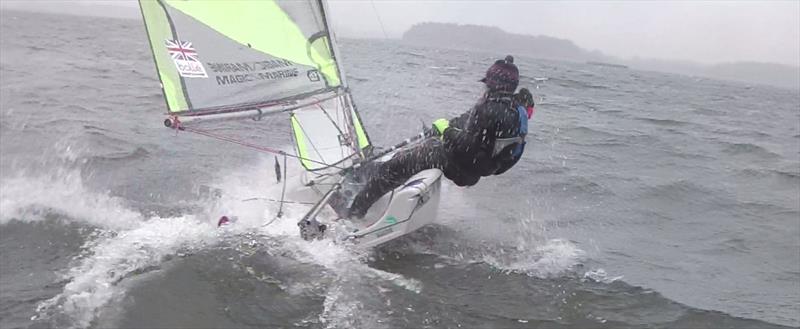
(312, 143)
(348, 139)
(283, 190)
(379, 19)
(264, 149)
(273, 200)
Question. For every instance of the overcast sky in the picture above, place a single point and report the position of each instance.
(709, 32)
(703, 31)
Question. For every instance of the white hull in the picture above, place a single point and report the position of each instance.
(402, 211)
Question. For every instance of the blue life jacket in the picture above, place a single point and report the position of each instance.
(523, 131)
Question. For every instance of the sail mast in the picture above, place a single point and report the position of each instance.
(332, 41)
(355, 118)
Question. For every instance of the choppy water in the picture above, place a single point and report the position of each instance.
(644, 200)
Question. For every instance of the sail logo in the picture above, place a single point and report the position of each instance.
(313, 75)
(185, 58)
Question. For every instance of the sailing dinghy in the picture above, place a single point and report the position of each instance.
(229, 60)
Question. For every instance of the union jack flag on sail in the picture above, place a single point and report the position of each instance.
(181, 50)
(185, 58)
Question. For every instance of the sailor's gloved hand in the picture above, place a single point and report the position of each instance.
(440, 125)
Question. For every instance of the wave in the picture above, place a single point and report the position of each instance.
(547, 258)
(27, 198)
(548, 168)
(124, 156)
(100, 142)
(552, 259)
(445, 68)
(681, 190)
(531, 78)
(574, 185)
(100, 278)
(129, 245)
(610, 111)
(59, 123)
(664, 122)
(154, 97)
(356, 78)
(96, 128)
(793, 176)
(741, 133)
(708, 111)
(575, 84)
(585, 136)
(757, 209)
(604, 144)
(523, 249)
(591, 133)
(747, 149)
(410, 53)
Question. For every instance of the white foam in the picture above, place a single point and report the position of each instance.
(28, 198)
(338, 310)
(129, 244)
(600, 275)
(95, 280)
(554, 258)
(351, 279)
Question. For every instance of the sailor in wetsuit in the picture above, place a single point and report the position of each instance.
(486, 140)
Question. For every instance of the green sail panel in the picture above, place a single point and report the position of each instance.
(157, 26)
(361, 134)
(226, 56)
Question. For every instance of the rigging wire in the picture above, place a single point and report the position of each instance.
(372, 2)
(275, 200)
(305, 133)
(179, 127)
(347, 137)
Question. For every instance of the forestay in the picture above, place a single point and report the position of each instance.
(250, 58)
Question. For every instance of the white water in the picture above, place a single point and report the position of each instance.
(30, 198)
(128, 245)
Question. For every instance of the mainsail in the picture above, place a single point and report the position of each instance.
(240, 58)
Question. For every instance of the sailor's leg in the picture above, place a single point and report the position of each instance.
(427, 155)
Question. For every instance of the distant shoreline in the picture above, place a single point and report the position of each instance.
(493, 39)
(607, 64)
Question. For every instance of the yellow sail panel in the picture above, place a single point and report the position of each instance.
(264, 26)
(300, 143)
(363, 141)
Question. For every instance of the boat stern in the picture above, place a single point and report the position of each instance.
(408, 208)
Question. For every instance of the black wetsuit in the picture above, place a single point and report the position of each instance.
(465, 153)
